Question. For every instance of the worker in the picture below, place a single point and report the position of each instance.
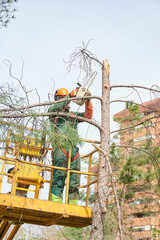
(60, 125)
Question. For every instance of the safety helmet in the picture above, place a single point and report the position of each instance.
(60, 92)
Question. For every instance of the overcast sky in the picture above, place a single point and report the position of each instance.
(45, 33)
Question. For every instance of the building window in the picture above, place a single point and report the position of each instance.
(148, 113)
(139, 127)
(145, 238)
(142, 215)
(141, 201)
(150, 124)
(143, 138)
(141, 228)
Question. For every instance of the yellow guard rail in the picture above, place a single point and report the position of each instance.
(27, 159)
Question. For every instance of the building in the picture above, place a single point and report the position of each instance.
(141, 130)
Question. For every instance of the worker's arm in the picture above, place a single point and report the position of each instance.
(59, 106)
(88, 106)
(88, 110)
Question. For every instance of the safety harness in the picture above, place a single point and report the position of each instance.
(63, 150)
(66, 153)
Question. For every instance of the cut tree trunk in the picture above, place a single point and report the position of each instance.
(101, 195)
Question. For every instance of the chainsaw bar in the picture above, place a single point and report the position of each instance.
(83, 89)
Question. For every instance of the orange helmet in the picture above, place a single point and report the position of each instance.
(60, 92)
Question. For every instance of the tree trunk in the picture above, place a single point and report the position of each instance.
(99, 208)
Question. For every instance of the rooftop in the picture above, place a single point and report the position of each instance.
(149, 106)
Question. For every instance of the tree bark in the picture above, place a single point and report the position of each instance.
(99, 208)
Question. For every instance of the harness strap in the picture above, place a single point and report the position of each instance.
(56, 121)
(66, 153)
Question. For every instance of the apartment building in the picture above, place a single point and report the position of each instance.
(142, 127)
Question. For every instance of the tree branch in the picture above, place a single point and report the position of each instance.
(134, 103)
(34, 115)
(142, 150)
(122, 129)
(135, 86)
(50, 103)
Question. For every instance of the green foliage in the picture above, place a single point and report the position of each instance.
(7, 12)
(133, 114)
(111, 224)
(128, 172)
(64, 139)
(149, 175)
(136, 166)
(134, 108)
(9, 97)
(74, 233)
(156, 233)
(115, 154)
(129, 194)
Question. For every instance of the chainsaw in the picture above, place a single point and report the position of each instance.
(83, 89)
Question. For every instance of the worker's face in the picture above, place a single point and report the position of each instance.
(61, 96)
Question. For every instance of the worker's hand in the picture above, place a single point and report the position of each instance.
(74, 92)
(88, 93)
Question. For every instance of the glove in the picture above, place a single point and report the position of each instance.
(74, 92)
(88, 93)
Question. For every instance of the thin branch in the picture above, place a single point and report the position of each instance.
(122, 129)
(138, 94)
(89, 55)
(9, 65)
(135, 86)
(50, 103)
(24, 115)
(142, 150)
(128, 234)
(84, 58)
(134, 103)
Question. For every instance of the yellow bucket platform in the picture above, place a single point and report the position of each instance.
(19, 210)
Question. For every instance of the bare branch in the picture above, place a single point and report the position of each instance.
(50, 103)
(134, 103)
(135, 86)
(140, 149)
(140, 123)
(9, 65)
(85, 60)
(24, 115)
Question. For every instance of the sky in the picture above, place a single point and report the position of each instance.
(46, 33)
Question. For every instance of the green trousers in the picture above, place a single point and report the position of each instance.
(59, 176)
